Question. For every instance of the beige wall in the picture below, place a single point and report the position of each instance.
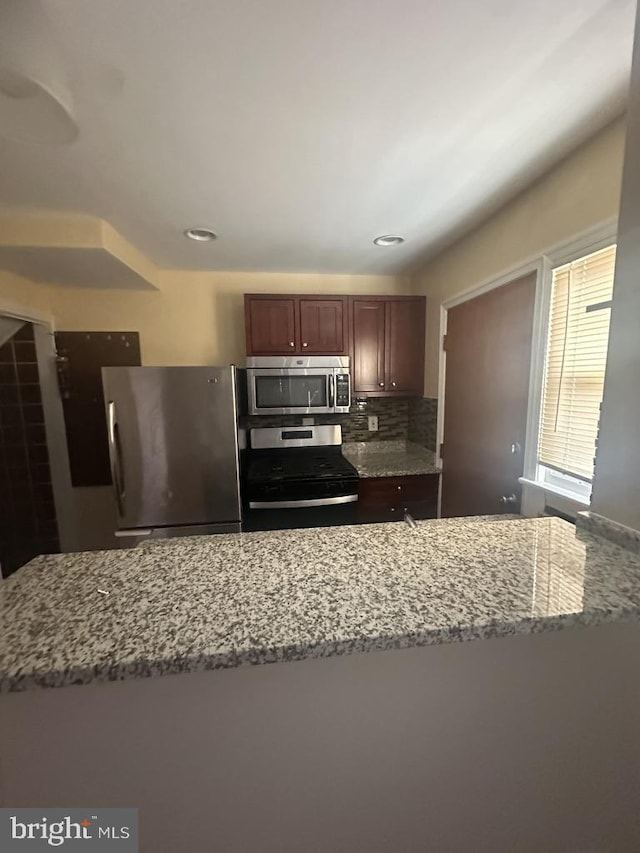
(616, 487)
(20, 296)
(196, 318)
(579, 193)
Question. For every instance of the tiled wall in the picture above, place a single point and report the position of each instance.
(27, 512)
(392, 415)
(404, 418)
(423, 416)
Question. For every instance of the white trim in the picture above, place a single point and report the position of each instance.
(590, 240)
(9, 308)
(554, 490)
(511, 275)
(536, 370)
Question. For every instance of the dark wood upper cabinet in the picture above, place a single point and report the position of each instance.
(387, 345)
(288, 325)
(368, 327)
(270, 325)
(322, 326)
(404, 345)
(384, 335)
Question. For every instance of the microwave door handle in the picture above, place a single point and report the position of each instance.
(331, 394)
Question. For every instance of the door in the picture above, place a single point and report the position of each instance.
(368, 345)
(173, 445)
(270, 325)
(322, 326)
(488, 356)
(404, 348)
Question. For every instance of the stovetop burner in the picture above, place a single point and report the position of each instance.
(299, 464)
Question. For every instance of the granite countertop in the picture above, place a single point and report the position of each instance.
(389, 458)
(201, 603)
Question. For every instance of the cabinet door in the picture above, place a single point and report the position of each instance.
(378, 500)
(388, 498)
(270, 325)
(322, 326)
(368, 345)
(419, 496)
(404, 345)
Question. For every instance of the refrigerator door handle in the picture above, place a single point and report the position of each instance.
(117, 473)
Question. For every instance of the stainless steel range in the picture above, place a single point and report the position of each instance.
(298, 477)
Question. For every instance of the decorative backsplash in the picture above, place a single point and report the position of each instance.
(423, 419)
(393, 420)
(401, 418)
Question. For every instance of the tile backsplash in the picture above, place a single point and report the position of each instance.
(392, 420)
(423, 418)
(399, 418)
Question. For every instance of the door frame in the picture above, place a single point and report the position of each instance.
(44, 328)
(589, 240)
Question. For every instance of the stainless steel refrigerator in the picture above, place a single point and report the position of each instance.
(173, 446)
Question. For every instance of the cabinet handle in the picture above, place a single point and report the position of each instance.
(399, 488)
(305, 344)
(393, 384)
(381, 384)
(291, 344)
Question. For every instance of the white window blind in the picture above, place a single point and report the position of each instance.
(575, 363)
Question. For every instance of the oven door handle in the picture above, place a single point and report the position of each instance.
(343, 499)
(331, 392)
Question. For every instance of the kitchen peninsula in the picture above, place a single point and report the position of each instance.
(387, 729)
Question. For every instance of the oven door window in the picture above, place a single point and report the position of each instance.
(289, 392)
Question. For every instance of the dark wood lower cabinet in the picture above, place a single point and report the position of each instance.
(388, 498)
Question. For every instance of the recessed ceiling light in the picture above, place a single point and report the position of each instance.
(202, 235)
(389, 240)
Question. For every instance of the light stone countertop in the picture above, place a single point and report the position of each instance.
(204, 603)
(389, 458)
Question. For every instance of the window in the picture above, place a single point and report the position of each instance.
(575, 365)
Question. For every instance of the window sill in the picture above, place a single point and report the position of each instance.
(556, 490)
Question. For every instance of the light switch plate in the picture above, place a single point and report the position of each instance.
(373, 423)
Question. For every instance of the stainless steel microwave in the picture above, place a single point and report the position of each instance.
(293, 385)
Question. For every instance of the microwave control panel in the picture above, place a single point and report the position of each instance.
(342, 389)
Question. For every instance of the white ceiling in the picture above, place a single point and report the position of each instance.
(302, 129)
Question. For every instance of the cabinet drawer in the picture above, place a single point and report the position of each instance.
(377, 514)
(396, 491)
(420, 509)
